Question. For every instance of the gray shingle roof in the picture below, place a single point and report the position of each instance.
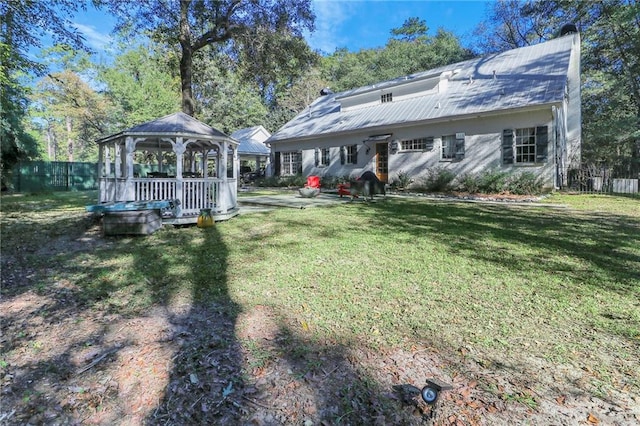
(532, 75)
(250, 144)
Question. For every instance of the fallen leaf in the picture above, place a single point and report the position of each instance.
(194, 379)
(474, 404)
(592, 419)
(227, 390)
(561, 399)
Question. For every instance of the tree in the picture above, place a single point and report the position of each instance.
(413, 29)
(225, 100)
(409, 50)
(23, 24)
(195, 24)
(516, 23)
(610, 33)
(74, 113)
(141, 84)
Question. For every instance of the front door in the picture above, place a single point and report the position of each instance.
(382, 161)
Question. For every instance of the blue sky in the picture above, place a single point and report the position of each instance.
(354, 24)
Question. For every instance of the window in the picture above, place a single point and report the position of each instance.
(322, 157)
(449, 147)
(419, 144)
(291, 163)
(349, 154)
(387, 97)
(527, 145)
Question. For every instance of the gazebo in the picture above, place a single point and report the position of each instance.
(175, 157)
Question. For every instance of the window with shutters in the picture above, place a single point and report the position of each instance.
(448, 147)
(322, 157)
(527, 145)
(452, 147)
(419, 144)
(291, 163)
(349, 154)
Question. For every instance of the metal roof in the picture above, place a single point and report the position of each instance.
(252, 140)
(176, 124)
(518, 78)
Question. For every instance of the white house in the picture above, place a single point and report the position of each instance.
(517, 110)
(252, 151)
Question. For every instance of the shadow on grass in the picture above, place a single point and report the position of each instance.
(183, 275)
(605, 246)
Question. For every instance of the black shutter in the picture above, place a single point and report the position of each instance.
(342, 155)
(507, 146)
(276, 166)
(299, 162)
(542, 144)
(354, 149)
(317, 156)
(428, 145)
(459, 147)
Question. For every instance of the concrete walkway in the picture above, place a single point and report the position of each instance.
(259, 203)
(293, 200)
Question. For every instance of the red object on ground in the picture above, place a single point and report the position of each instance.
(313, 182)
(344, 189)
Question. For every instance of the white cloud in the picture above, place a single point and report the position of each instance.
(331, 16)
(94, 39)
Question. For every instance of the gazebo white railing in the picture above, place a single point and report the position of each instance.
(172, 144)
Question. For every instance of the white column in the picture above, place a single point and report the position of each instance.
(118, 160)
(107, 161)
(130, 191)
(179, 149)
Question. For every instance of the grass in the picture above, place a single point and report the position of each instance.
(517, 285)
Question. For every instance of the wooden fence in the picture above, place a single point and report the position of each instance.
(602, 180)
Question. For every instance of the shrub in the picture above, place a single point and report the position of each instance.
(438, 180)
(493, 181)
(468, 182)
(526, 183)
(402, 181)
(282, 181)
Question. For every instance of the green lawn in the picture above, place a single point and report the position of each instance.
(517, 285)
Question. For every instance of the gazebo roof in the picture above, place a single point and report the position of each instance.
(172, 125)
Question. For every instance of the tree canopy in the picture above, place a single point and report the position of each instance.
(22, 26)
(610, 32)
(195, 24)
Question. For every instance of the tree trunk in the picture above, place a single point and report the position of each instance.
(186, 60)
(69, 138)
(51, 143)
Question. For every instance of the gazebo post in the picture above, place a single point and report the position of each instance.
(130, 148)
(186, 138)
(179, 149)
